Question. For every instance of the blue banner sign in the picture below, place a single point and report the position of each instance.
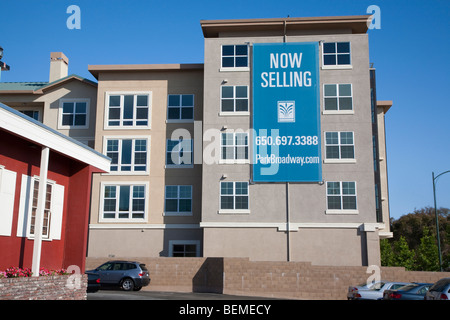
(286, 113)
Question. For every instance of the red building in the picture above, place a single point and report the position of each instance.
(31, 152)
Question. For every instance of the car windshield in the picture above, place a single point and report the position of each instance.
(408, 287)
(440, 285)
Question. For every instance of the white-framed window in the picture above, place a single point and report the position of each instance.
(184, 248)
(123, 201)
(179, 153)
(128, 110)
(234, 147)
(73, 114)
(234, 100)
(341, 197)
(234, 57)
(336, 54)
(339, 146)
(7, 195)
(180, 107)
(53, 209)
(128, 155)
(234, 197)
(338, 98)
(178, 200)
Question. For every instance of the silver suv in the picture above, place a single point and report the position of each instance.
(129, 275)
(439, 291)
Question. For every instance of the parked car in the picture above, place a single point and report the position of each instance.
(352, 290)
(93, 284)
(439, 290)
(129, 275)
(413, 291)
(376, 291)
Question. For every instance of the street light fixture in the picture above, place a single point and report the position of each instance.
(436, 215)
(3, 66)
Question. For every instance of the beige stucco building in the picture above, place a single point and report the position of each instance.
(180, 139)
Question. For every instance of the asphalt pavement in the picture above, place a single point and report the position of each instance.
(157, 295)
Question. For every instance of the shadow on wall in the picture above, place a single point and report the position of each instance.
(209, 277)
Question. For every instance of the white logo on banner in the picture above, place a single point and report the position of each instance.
(286, 111)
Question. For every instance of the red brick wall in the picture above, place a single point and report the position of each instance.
(239, 276)
(42, 288)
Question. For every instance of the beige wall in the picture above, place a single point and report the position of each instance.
(49, 105)
(153, 234)
(339, 234)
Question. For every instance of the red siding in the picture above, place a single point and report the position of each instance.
(23, 157)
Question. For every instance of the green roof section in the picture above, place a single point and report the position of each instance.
(21, 86)
(34, 86)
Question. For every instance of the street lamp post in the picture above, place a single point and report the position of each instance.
(436, 215)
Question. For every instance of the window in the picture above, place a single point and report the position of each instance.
(336, 54)
(234, 196)
(339, 145)
(124, 202)
(234, 146)
(31, 113)
(178, 200)
(184, 248)
(341, 197)
(180, 107)
(128, 155)
(128, 110)
(74, 113)
(338, 97)
(234, 99)
(179, 153)
(235, 56)
(53, 209)
(34, 204)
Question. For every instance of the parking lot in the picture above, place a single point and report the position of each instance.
(112, 294)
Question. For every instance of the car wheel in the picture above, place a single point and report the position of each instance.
(127, 284)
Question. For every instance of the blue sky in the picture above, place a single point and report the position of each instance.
(410, 53)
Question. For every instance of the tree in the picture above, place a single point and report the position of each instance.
(427, 258)
(386, 253)
(403, 256)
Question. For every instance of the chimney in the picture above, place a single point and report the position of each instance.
(59, 66)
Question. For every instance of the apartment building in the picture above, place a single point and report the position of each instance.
(272, 149)
(66, 102)
(150, 202)
(293, 95)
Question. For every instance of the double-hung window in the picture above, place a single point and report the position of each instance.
(234, 197)
(341, 197)
(178, 200)
(123, 202)
(336, 54)
(128, 155)
(74, 113)
(234, 147)
(128, 110)
(179, 153)
(235, 56)
(339, 146)
(338, 98)
(180, 107)
(234, 99)
(53, 209)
